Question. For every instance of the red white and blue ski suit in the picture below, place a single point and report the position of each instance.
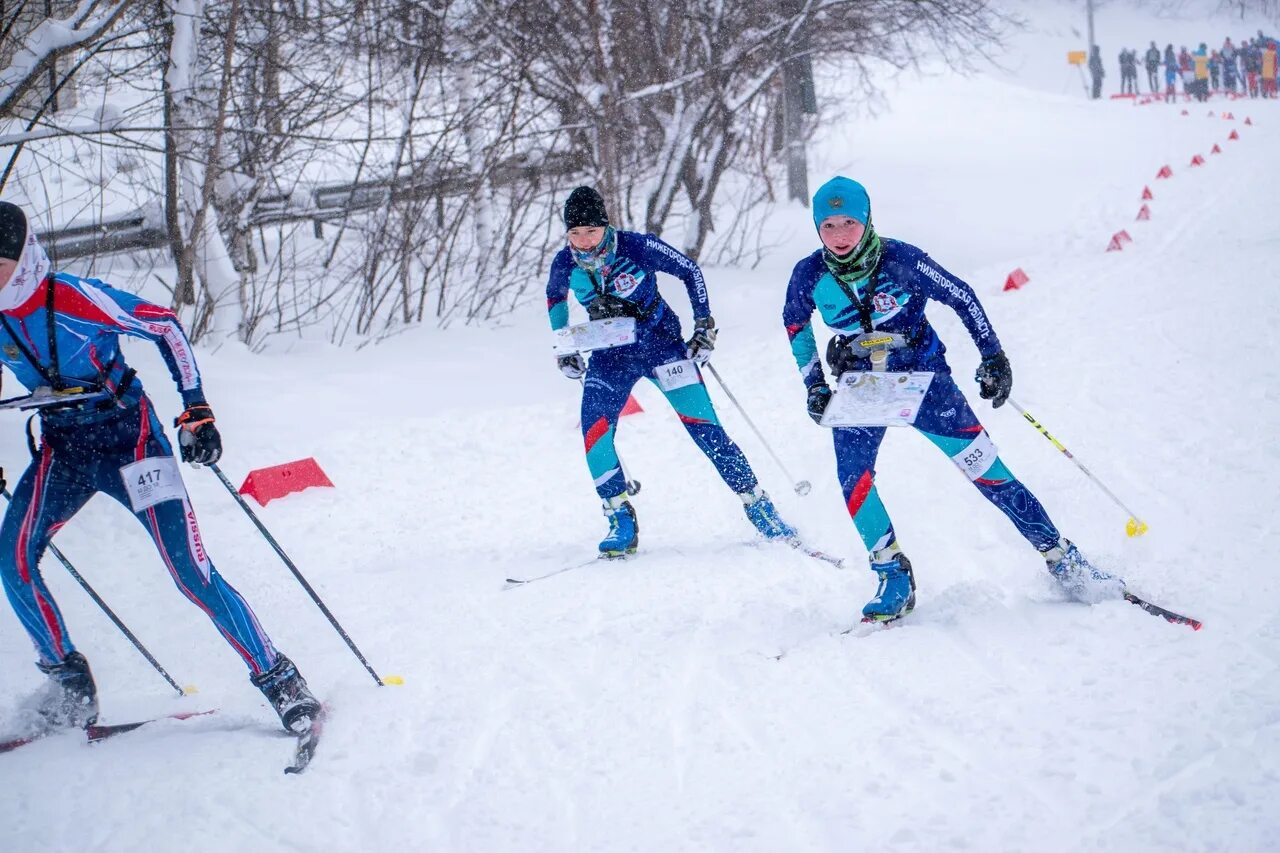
(61, 331)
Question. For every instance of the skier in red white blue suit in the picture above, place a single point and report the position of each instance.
(60, 333)
(873, 293)
(613, 274)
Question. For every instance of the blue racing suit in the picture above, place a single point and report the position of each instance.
(628, 282)
(84, 446)
(905, 280)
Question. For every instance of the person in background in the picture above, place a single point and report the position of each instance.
(1268, 72)
(1171, 73)
(614, 274)
(1251, 59)
(1128, 72)
(1215, 70)
(1096, 72)
(1200, 59)
(1230, 73)
(1152, 61)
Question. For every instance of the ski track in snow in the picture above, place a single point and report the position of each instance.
(636, 705)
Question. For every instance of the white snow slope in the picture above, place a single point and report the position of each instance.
(638, 706)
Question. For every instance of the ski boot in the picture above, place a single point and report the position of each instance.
(70, 698)
(896, 596)
(624, 529)
(764, 515)
(1082, 581)
(287, 692)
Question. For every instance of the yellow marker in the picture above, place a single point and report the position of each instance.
(190, 690)
(1135, 527)
(393, 679)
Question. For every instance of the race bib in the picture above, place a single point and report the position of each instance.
(976, 459)
(150, 481)
(594, 335)
(865, 398)
(677, 374)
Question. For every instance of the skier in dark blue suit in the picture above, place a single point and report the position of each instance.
(613, 274)
(60, 333)
(874, 292)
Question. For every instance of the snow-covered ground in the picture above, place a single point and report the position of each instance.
(638, 706)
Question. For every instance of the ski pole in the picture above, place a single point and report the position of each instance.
(803, 486)
(632, 486)
(1134, 526)
(297, 574)
(97, 599)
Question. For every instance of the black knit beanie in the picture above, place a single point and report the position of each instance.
(13, 231)
(585, 207)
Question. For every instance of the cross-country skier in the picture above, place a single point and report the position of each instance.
(865, 286)
(62, 332)
(613, 274)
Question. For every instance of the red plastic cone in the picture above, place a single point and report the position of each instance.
(266, 484)
(1123, 236)
(1229, 116)
(1215, 149)
(1233, 136)
(1197, 160)
(1144, 214)
(1115, 245)
(1248, 120)
(1165, 172)
(1016, 279)
(1210, 113)
(632, 406)
(1146, 194)
(1185, 113)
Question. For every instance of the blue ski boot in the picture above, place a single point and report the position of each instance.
(764, 515)
(896, 596)
(624, 530)
(1082, 581)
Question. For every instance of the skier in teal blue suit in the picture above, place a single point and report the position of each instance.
(613, 274)
(873, 291)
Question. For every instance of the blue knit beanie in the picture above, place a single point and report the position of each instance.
(841, 196)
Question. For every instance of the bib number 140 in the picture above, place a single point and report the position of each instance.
(677, 374)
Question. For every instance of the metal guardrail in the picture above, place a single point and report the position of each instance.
(144, 228)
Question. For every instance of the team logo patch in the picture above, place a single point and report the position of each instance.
(624, 283)
(10, 351)
(836, 202)
(884, 303)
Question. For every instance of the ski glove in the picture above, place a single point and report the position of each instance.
(819, 397)
(198, 438)
(703, 341)
(573, 366)
(995, 379)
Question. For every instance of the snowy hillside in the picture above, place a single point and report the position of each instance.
(639, 705)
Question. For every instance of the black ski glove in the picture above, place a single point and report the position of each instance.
(819, 397)
(703, 341)
(573, 366)
(840, 357)
(995, 379)
(198, 438)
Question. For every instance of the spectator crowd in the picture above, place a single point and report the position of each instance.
(1247, 69)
